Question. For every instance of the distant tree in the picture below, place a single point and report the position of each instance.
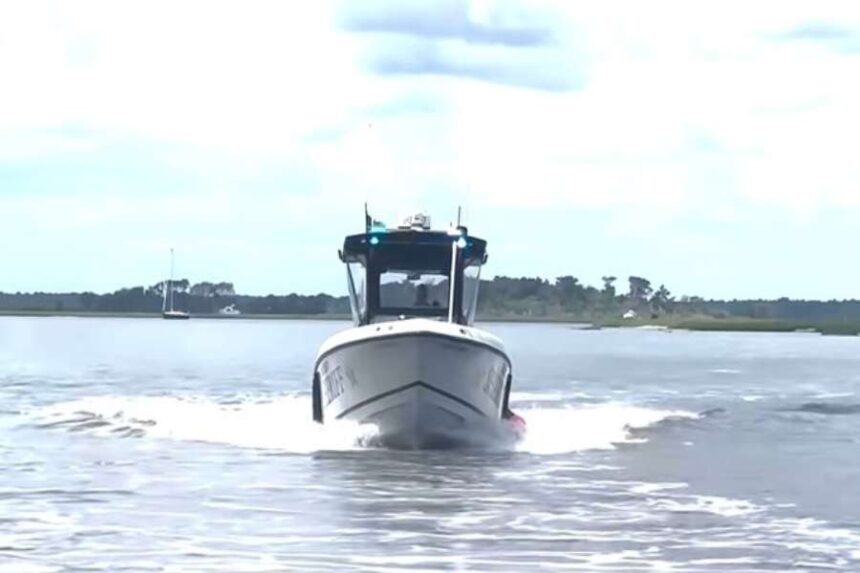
(760, 310)
(224, 289)
(662, 300)
(157, 289)
(609, 286)
(89, 300)
(640, 288)
(135, 299)
(571, 295)
(204, 289)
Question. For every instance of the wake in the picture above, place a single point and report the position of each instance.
(284, 424)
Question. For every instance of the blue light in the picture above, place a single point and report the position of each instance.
(374, 240)
(378, 228)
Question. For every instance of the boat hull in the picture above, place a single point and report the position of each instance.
(175, 315)
(421, 383)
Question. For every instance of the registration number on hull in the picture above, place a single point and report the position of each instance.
(332, 382)
(494, 384)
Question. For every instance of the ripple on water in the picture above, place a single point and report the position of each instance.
(199, 481)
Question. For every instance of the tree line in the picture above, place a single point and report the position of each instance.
(569, 297)
(502, 296)
(200, 298)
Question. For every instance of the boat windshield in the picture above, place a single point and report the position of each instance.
(408, 273)
(357, 282)
(471, 282)
(404, 291)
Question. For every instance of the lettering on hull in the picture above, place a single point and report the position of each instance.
(332, 381)
(494, 383)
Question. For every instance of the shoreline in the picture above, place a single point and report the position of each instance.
(700, 324)
(152, 315)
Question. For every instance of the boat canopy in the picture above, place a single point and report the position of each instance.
(408, 272)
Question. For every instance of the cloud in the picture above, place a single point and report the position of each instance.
(542, 71)
(818, 31)
(274, 123)
(250, 81)
(498, 42)
(505, 23)
(841, 38)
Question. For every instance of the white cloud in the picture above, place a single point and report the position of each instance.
(250, 80)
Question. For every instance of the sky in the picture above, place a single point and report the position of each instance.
(713, 149)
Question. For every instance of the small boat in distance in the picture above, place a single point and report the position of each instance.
(167, 310)
(230, 310)
(413, 365)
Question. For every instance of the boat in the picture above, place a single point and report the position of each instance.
(414, 365)
(167, 310)
(230, 310)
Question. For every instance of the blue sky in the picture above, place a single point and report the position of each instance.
(710, 148)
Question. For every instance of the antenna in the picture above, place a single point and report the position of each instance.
(367, 220)
(171, 279)
(452, 280)
(459, 209)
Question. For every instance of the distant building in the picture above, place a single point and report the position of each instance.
(629, 314)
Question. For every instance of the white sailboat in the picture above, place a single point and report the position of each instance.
(167, 310)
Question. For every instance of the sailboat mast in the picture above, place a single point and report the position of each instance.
(171, 280)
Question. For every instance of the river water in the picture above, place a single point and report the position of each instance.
(150, 445)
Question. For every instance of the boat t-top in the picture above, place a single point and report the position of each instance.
(413, 365)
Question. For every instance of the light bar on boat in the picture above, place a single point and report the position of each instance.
(416, 222)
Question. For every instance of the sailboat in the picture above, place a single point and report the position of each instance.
(167, 310)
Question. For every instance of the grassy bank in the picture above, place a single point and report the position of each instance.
(737, 324)
(696, 323)
(560, 319)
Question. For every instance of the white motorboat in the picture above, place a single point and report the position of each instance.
(413, 365)
(230, 310)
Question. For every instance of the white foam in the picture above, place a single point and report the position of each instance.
(719, 561)
(649, 488)
(281, 423)
(833, 395)
(284, 423)
(598, 426)
(539, 396)
(21, 566)
(714, 505)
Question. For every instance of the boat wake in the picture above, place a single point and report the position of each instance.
(603, 426)
(279, 423)
(283, 423)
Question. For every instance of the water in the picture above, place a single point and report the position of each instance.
(147, 445)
